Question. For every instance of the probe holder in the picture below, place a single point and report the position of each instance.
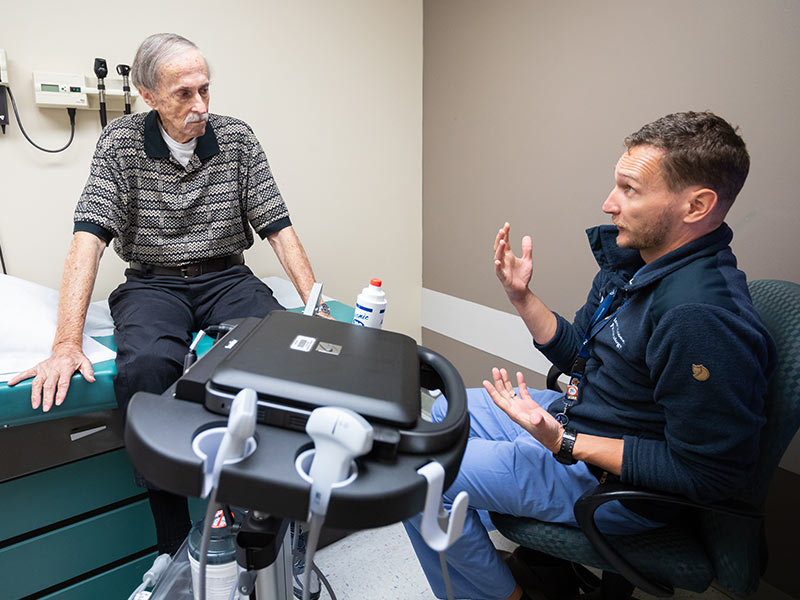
(160, 428)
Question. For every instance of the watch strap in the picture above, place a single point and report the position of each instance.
(564, 454)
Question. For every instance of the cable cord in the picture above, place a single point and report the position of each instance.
(448, 586)
(151, 577)
(296, 554)
(211, 511)
(2, 261)
(314, 529)
(70, 111)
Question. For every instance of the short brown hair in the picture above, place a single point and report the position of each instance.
(700, 148)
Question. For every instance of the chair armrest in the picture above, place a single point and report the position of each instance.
(591, 500)
(552, 379)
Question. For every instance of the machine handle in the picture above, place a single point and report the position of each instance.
(438, 372)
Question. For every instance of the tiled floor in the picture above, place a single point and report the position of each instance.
(379, 564)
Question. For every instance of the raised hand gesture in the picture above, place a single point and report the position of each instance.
(513, 272)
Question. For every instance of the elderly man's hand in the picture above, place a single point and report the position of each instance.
(524, 410)
(51, 377)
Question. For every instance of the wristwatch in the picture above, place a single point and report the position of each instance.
(564, 454)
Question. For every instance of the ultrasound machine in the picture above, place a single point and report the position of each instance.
(299, 418)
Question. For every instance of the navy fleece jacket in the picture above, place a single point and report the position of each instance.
(679, 372)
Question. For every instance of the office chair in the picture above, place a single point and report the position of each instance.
(724, 541)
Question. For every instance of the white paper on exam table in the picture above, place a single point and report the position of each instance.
(285, 293)
(28, 314)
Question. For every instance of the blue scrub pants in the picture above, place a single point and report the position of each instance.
(506, 470)
(154, 318)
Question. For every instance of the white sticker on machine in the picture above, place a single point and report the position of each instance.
(303, 343)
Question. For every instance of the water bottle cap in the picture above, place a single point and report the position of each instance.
(222, 545)
(375, 282)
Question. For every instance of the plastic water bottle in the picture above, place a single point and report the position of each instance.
(222, 570)
(370, 305)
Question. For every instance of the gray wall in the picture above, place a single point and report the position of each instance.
(525, 107)
(526, 104)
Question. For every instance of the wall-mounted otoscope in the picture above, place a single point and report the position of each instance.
(125, 70)
(101, 70)
(3, 83)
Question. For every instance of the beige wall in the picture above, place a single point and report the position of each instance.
(333, 91)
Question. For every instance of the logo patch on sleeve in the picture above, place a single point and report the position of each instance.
(700, 373)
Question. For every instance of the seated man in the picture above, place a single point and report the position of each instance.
(178, 191)
(668, 361)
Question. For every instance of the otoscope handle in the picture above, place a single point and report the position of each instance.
(101, 70)
(124, 71)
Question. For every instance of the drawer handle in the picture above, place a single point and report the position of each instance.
(77, 435)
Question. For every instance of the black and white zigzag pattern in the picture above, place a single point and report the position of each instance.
(162, 213)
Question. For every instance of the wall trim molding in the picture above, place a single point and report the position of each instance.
(494, 331)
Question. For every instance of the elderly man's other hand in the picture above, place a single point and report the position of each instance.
(51, 377)
(523, 409)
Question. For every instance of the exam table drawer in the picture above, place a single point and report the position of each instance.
(40, 562)
(32, 448)
(110, 585)
(80, 531)
(62, 493)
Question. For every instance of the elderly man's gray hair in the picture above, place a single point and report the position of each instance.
(153, 52)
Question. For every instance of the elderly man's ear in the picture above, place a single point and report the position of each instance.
(148, 96)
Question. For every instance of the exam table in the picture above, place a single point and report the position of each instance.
(75, 525)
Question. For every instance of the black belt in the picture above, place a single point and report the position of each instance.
(212, 265)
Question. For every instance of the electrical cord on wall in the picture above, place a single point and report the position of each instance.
(70, 111)
(2, 261)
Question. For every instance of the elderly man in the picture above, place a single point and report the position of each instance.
(668, 361)
(177, 190)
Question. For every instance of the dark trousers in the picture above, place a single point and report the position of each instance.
(154, 318)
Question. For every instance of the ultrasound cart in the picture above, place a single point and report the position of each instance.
(297, 363)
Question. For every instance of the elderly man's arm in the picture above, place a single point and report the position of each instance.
(52, 376)
(293, 259)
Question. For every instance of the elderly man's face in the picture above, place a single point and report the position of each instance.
(181, 97)
(647, 214)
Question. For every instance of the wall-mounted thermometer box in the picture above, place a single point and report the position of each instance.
(60, 90)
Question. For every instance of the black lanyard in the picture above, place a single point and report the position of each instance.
(596, 324)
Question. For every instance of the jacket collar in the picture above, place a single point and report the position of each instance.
(622, 263)
(156, 147)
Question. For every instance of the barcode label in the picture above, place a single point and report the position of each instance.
(303, 343)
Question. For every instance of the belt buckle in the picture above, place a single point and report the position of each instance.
(185, 271)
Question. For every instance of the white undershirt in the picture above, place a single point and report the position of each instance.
(181, 152)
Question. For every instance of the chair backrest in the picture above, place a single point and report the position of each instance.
(733, 544)
(778, 305)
